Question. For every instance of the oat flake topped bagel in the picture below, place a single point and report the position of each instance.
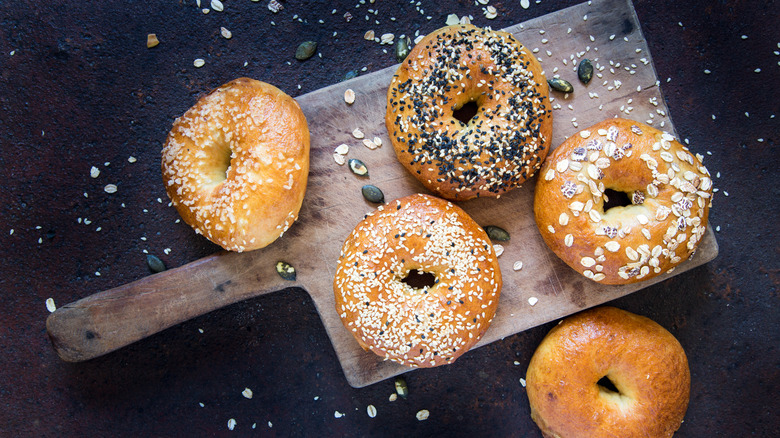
(432, 324)
(667, 192)
(605, 373)
(235, 165)
(502, 145)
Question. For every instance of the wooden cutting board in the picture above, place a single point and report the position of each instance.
(607, 32)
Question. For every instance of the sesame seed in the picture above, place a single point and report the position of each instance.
(50, 306)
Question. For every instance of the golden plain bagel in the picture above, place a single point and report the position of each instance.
(431, 324)
(667, 188)
(644, 362)
(236, 164)
(502, 145)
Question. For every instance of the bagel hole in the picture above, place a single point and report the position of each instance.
(419, 279)
(222, 166)
(614, 198)
(467, 112)
(606, 385)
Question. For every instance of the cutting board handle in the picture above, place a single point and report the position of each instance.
(112, 319)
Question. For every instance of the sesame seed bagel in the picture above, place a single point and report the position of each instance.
(645, 364)
(422, 326)
(235, 165)
(667, 194)
(502, 145)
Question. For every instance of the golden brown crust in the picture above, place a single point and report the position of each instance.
(236, 164)
(502, 145)
(644, 362)
(423, 327)
(669, 188)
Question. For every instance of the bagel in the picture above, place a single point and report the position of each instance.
(667, 189)
(423, 325)
(236, 164)
(507, 139)
(644, 362)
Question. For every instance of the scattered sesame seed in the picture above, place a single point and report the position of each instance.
(247, 393)
(198, 63)
(110, 188)
(522, 382)
(518, 265)
(533, 300)
(231, 424)
(423, 415)
(371, 410)
(349, 96)
(94, 172)
(338, 414)
(50, 306)
(219, 7)
(393, 397)
(717, 228)
(225, 33)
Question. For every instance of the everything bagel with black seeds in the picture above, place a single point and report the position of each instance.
(508, 137)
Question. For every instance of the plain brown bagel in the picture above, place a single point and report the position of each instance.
(644, 362)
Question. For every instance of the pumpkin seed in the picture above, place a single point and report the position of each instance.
(373, 194)
(561, 85)
(497, 233)
(155, 264)
(402, 49)
(351, 75)
(400, 387)
(285, 270)
(358, 167)
(305, 50)
(585, 71)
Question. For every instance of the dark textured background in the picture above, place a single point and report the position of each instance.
(81, 89)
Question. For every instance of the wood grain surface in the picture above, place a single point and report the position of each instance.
(334, 205)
